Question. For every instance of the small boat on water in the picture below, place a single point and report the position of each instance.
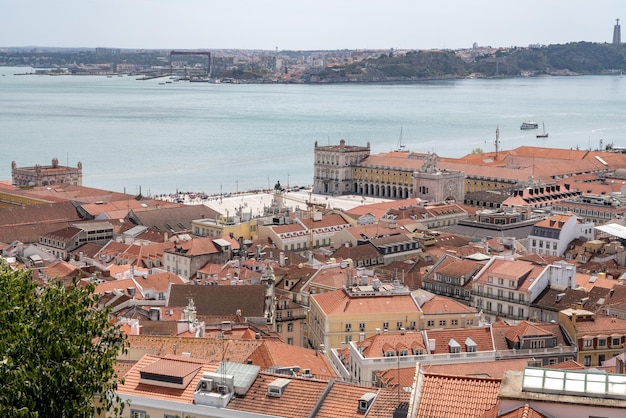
(544, 134)
(529, 125)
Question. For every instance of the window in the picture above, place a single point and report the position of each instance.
(399, 325)
(137, 414)
(279, 327)
(601, 342)
(615, 341)
(587, 361)
(385, 325)
(536, 343)
(431, 323)
(348, 327)
(588, 343)
(290, 327)
(553, 360)
(412, 325)
(469, 322)
(442, 322)
(454, 322)
(290, 340)
(362, 327)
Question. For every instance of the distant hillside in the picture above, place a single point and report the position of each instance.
(573, 58)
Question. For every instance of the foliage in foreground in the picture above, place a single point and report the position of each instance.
(57, 350)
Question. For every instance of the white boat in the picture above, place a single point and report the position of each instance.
(529, 125)
(544, 134)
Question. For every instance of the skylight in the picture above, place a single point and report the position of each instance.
(574, 382)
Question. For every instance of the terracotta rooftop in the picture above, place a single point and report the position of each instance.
(338, 302)
(377, 345)
(209, 349)
(442, 304)
(298, 399)
(342, 400)
(525, 411)
(441, 396)
(286, 355)
(503, 332)
(132, 386)
(481, 336)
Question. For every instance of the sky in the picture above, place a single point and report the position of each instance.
(305, 24)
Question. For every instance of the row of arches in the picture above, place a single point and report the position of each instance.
(381, 190)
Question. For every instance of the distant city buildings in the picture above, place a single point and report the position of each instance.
(46, 175)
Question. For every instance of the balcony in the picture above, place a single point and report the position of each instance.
(503, 298)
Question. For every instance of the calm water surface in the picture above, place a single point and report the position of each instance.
(210, 137)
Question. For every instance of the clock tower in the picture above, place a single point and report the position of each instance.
(435, 185)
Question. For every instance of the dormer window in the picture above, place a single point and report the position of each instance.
(365, 401)
(454, 346)
(470, 345)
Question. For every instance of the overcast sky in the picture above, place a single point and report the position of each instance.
(305, 24)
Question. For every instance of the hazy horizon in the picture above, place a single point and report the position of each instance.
(306, 25)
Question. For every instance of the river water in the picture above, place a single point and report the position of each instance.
(162, 136)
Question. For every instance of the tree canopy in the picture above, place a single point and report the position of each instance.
(57, 349)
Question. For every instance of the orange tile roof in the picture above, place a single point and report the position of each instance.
(388, 401)
(285, 355)
(209, 349)
(602, 324)
(442, 304)
(132, 386)
(381, 208)
(554, 221)
(331, 278)
(525, 411)
(121, 285)
(376, 345)
(159, 281)
(525, 329)
(566, 365)
(442, 396)
(481, 336)
(298, 399)
(342, 401)
(338, 302)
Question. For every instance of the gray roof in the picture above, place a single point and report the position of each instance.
(221, 300)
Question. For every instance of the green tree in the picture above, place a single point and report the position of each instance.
(477, 151)
(57, 350)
